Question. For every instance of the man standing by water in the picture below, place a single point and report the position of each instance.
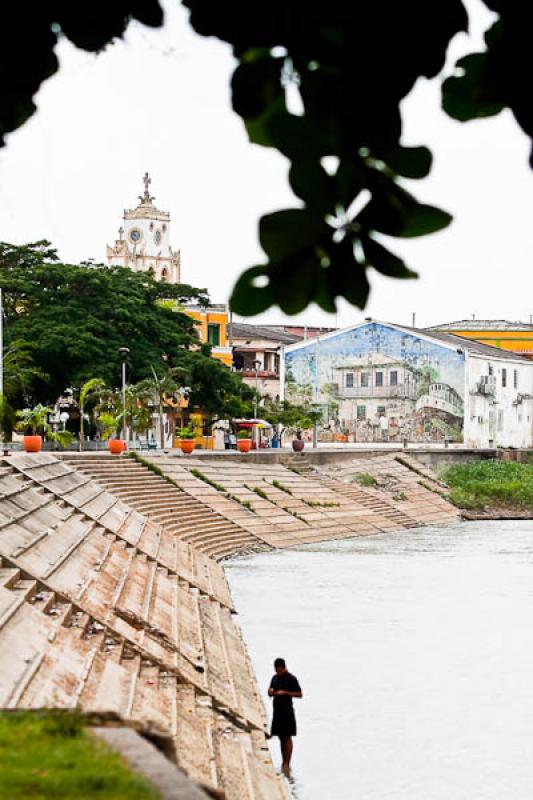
(283, 687)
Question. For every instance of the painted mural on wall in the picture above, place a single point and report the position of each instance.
(376, 382)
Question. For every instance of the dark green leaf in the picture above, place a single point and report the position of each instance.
(256, 87)
(350, 180)
(395, 212)
(284, 233)
(410, 162)
(470, 94)
(295, 283)
(384, 261)
(310, 181)
(248, 299)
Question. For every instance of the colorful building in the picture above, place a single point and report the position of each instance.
(377, 381)
(143, 243)
(517, 337)
(212, 326)
(144, 246)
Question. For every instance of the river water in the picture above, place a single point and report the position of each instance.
(414, 652)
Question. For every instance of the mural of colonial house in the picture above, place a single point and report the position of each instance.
(378, 381)
(372, 390)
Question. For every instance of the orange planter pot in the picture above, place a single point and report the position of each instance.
(244, 445)
(187, 446)
(32, 444)
(115, 446)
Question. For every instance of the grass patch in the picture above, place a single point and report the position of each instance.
(410, 466)
(295, 514)
(399, 497)
(281, 486)
(152, 467)
(319, 504)
(491, 483)
(365, 479)
(260, 493)
(205, 479)
(50, 756)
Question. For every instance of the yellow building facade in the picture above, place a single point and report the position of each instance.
(516, 337)
(212, 325)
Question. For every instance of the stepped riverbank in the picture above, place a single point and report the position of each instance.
(113, 598)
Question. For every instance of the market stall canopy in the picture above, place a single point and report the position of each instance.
(249, 423)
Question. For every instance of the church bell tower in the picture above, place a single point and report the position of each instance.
(143, 244)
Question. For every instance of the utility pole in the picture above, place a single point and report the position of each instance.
(256, 365)
(124, 353)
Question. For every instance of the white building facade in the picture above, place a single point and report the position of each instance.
(499, 410)
(144, 241)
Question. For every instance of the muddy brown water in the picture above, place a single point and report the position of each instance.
(415, 655)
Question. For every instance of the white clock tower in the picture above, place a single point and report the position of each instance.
(143, 244)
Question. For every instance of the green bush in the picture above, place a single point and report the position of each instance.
(491, 483)
(365, 479)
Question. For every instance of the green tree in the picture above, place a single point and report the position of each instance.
(86, 392)
(154, 390)
(214, 389)
(73, 319)
(352, 65)
(293, 416)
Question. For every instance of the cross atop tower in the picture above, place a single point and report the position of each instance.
(145, 198)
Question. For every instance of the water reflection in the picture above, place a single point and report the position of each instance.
(414, 655)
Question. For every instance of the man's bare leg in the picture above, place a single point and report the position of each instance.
(286, 752)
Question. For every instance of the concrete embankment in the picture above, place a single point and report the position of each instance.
(102, 609)
(112, 598)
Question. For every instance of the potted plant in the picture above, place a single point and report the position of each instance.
(298, 443)
(34, 423)
(109, 423)
(301, 423)
(186, 436)
(244, 441)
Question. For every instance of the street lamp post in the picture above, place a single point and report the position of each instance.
(256, 366)
(124, 353)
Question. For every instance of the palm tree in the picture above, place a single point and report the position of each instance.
(89, 387)
(156, 388)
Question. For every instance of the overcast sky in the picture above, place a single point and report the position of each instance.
(159, 102)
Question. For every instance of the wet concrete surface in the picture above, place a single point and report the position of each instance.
(414, 651)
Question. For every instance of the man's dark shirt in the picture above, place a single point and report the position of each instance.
(288, 683)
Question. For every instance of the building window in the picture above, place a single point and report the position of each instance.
(213, 335)
(500, 420)
(382, 411)
(349, 380)
(515, 378)
(361, 412)
(491, 369)
(379, 379)
(365, 379)
(393, 377)
(504, 377)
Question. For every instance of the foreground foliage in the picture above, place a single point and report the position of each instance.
(491, 483)
(52, 757)
(350, 65)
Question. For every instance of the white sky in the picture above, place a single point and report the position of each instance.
(159, 102)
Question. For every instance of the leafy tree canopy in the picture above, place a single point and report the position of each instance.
(352, 64)
(71, 320)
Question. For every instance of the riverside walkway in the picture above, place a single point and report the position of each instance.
(112, 598)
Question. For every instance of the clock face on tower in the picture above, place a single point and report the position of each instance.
(135, 235)
(157, 237)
